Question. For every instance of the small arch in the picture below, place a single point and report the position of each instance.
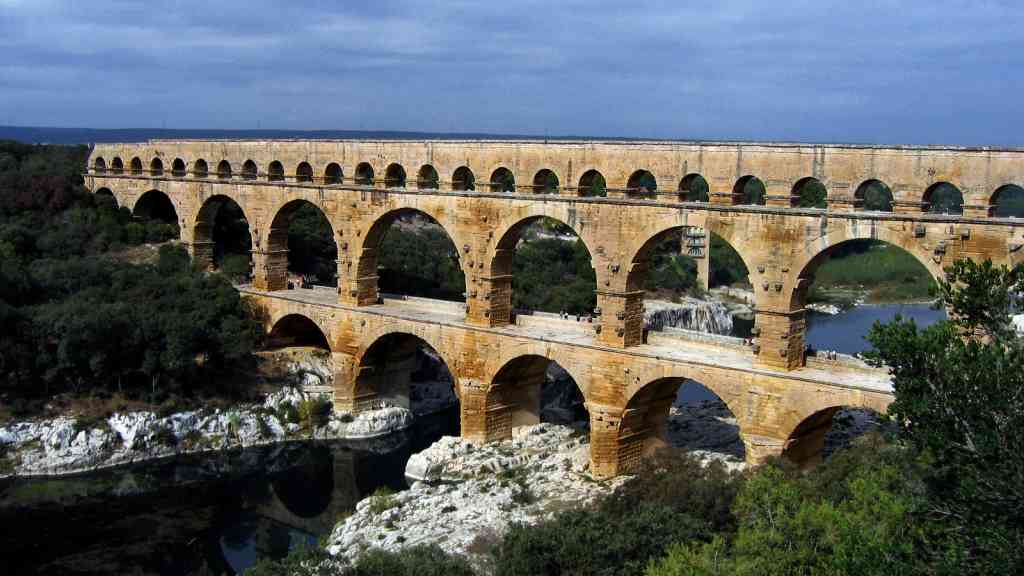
(873, 195)
(659, 414)
(642, 184)
(249, 170)
(545, 182)
(404, 369)
(333, 174)
(502, 180)
(463, 179)
(275, 172)
(200, 169)
(943, 198)
(748, 190)
(156, 167)
(694, 188)
(178, 169)
(1007, 202)
(136, 166)
(224, 170)
(592, 183)
(294, 330)
(116, 165)
(808, 192)
(427, 178)
(303, 172)
(156, 205)
(531, 389)
(99, 166)
(394, 176)
(364, 174)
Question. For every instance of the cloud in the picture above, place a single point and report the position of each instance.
(877, 71)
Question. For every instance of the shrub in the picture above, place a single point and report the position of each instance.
(314, 412)
(164, 435)
(382, 499)
(412, 561)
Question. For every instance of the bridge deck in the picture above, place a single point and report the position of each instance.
(671, 347)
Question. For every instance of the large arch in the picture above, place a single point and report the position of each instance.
(873, 195)
(297, 330)
(694, 188)
(394, 176)
(522, 393)
(592, 183)
(219, 220)
(278, 244)
(367, 267)
(427, 178)
(463, 179)
(1007, 202)
(389, 367)
(502, 180)
(649, 421)
(545, 182)
(156, 205)
(943, 198)
(807, 446)
(502, 259)
(642, 183)
(749, 190)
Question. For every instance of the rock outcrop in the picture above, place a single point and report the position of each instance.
(690, 313)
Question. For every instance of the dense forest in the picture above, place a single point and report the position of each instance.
(79, 315)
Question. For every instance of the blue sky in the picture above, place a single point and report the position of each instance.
(863, 71)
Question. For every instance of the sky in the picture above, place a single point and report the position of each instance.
(915, 72)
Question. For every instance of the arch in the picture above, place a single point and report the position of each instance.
(368, 264)
(107, 193)
(943, 198)
(278, 242)
(694, 188)
(333, 174)
(249, 170)
(364, 174)
(297, 330)
(1007, 202)
(387, 367)
(808, 192)
(642, 183)
(427, 178)
(748, 190)
(809, 265)
(545, 182)
(200, 169)
(873, 195)
(221, 216)
(178, 169)
(807, 445)
(636, 278)
(136, 166)
(306, 490)
(463, 179)
(303, 172)
(394, 176)
(275, 171)
(649, 421)
(592, 183)
(224, 170)
(156, 167)
(99, 166)
(520, 394)
(502, 180)
(156, 205)
(117, 165)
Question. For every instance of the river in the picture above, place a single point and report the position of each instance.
(218, 514)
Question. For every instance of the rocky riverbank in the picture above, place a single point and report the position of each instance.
(67, 446)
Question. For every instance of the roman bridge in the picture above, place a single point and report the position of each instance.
(622, 199)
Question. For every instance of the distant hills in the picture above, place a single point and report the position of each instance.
(42, 135)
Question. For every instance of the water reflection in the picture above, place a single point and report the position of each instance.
(212, 514)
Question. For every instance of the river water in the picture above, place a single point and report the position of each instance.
(217, 514)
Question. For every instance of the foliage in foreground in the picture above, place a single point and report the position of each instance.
(413, 561)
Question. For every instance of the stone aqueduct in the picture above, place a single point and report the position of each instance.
(483, 193)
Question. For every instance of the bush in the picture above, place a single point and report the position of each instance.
(314, 412)
(383, 499)
(412, 561)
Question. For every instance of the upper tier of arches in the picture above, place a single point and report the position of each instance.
(942, 196)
